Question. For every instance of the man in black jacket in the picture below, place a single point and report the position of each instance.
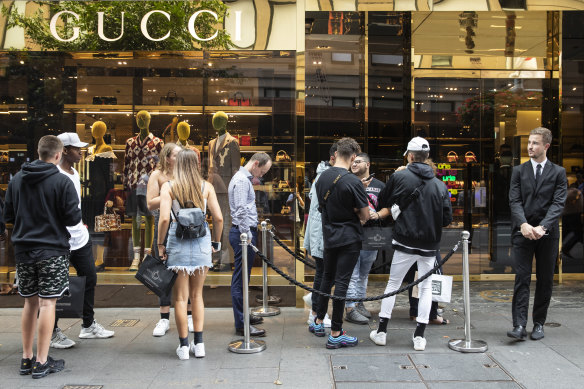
(40, 203)
(420, 205)
(537, 196)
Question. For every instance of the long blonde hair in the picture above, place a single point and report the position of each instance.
(163, 157)
(187, 181)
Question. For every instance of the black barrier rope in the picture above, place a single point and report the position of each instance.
(298, 257)
(380, 297)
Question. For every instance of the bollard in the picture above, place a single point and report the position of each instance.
(245, 345)
(467, 345)
(265, 310)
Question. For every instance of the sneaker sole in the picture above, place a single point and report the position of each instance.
(339, 345)
(60, 346)
(319, 334)
(46, 373)
(94, 336)
(356, 321)
(25, 371)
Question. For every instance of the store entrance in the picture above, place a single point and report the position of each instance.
(477, 127)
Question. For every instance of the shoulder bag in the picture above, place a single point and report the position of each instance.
(71, 306)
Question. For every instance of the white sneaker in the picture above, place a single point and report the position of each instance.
(135, 265)
(419, 343)
(95, 331)
(190, 323)
(379, 338)
(161, 328)
(60, 340)
(182, 352)
(198, 349)
(311, 318)
(307, 300)
(326, 321)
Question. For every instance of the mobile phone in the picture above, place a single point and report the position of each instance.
(216, 246)
(370, 177)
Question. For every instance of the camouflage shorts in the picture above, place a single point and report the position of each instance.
(49, 278)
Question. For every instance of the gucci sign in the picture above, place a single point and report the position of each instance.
(143, 26)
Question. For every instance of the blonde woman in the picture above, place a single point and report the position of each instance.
(189, 258)
(159, 177)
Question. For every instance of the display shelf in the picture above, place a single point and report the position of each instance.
(163, 109)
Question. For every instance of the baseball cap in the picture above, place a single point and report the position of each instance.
(418, 144)
(71, 139)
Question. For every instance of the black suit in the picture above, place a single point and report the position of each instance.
(539, 204)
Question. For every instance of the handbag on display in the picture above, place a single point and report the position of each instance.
(470, 157)
(452, 157)
(282, 156)
(171, 98)
(285, 210)
(283, 184)
(377, 237)
(238, 100)
(154, 275)
(107, 222)
(71, 306)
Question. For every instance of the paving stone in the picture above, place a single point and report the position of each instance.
(380, 385)
(373, 368)
(458, 367)
(473, 385)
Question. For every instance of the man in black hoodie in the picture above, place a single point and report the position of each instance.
(420, 205)
(40, 203)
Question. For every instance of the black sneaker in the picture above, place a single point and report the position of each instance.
(50, 366)
(26, 365)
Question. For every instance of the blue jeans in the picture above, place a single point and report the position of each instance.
(360, 276)
(236, 279)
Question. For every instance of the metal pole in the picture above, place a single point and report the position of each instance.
(245, 345)
(265, 310)
(467, 345)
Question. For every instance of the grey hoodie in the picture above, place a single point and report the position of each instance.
(313, 240)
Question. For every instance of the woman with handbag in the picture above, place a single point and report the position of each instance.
(159, 177)
(188, 256)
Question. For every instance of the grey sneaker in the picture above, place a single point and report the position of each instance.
(362, 310)
(353, 316)
(60, 340)
(95, 331)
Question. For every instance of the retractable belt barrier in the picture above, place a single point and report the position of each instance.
(267, 261)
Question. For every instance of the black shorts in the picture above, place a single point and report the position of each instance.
(49, 278)
(136, 205)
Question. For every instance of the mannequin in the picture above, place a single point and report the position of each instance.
(100, 158)
(140, 160)
(224, 162)
(184, 131)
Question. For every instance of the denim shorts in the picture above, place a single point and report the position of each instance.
(189, 255)
(49, 278)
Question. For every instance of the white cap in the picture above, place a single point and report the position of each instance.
(71, 139)
(418, 144)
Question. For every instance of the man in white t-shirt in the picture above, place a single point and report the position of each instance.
(81, 252)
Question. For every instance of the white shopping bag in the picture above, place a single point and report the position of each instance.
(441, 288)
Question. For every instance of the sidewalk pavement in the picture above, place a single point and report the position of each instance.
(294, 358)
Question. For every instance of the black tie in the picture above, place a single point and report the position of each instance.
(537, 172)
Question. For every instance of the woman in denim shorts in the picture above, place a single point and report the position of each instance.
(189, 258)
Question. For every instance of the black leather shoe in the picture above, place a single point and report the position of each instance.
(253, 320)
(537, 332)
(258, 332)
(518, 333)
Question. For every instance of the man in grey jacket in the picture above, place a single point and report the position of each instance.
(313, 241)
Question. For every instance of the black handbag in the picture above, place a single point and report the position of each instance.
(154, 274)
(377, 237)
(71, 306)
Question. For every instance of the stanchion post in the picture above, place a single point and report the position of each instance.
(245, 345)
(265, 310)
(467, 345)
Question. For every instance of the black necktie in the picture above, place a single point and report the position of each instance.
(537, 172)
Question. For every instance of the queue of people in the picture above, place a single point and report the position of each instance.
(345, 199)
